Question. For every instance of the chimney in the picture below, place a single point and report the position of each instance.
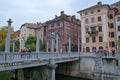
(62, 12)
(73, 16)
(56, 16)
(99, 3)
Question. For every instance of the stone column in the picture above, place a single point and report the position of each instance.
(27, 74)
(69, 40)
(13, 45)
(14, 74)
(47, 46)
(57, 43)
(38, 39)
(78, 45)
(51, 69)
(7, 43)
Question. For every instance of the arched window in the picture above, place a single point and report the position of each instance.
(100, 48)
(93, 49)
(87, 49)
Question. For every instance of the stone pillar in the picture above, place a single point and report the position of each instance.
(57, 43)
(14, 74)
(69, 40)
(51, 69)
(13, 45)
(78, 45)
(27, 74)
(38, 39)
(47, 46)
(7, 43)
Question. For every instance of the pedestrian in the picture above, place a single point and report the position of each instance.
(29, 50)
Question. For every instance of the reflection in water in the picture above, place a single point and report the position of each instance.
(62, 77)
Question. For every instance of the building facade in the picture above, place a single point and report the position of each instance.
(117, 21)
(65, 26)
(98, 28)
(29, 29)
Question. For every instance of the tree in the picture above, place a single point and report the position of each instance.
(43, 46)
(3, 33)
(31, 43)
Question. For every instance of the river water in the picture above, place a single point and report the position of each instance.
(62, 77)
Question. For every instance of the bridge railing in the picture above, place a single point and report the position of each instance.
(18, 57)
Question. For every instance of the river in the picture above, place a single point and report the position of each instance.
(62, 77)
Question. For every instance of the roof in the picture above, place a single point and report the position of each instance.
(98, 5)
(65, 17)
(118, 8)
(31, 25)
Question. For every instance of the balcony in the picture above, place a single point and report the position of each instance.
(93, 33)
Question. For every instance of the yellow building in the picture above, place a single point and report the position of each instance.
(98, 28)
(29, 29)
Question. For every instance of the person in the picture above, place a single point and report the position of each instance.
(22, 51)
(29, 50)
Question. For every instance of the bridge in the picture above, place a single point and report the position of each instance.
(16, 60)
(10, 61)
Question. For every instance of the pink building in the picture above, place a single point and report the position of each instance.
(65, 26)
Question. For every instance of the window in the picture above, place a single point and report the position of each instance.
(61, 24)
(100, 28)
(86, 13)
(87, 29)
(112, 44)
(111, 16)
(87, 40)
(112, 34)
(111, 25)
(55, 25)
(87, 49)
(93, 39)
(118, 18)
(98, 10)
(92, 19)
(93, 28)
(92, 12)
(99, 18)
(118, 28)
(100, 39)
(49, 27)
(86, 21)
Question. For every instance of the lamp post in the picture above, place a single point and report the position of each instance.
(7, 43)
(38, 37)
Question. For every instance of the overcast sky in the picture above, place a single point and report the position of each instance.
(32, 11)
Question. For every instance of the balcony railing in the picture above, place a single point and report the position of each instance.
(93, 33)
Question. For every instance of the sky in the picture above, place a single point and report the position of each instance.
(33, 11)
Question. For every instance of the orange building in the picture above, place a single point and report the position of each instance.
(98, 28)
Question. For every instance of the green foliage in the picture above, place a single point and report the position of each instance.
(31, 43)
(2, 46)
(109, 60)
(118, 44)
(3, 32)
(5, 75)
(43, 46)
